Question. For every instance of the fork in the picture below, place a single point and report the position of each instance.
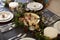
(15, 36)
(19, 36)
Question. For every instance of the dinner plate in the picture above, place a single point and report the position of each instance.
(27, 39)
(34, 6)
(8, 16)
(57, 26)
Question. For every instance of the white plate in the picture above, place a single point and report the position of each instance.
(8, 17)
(34, 6)
(57, 26)
(27, 39)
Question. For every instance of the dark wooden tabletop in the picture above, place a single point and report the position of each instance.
(14, 32)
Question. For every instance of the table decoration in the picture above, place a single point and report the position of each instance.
(19, 22)
(13, 5)
(32, 20)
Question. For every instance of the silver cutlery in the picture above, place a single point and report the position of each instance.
(15, 36)
(19, 36)
(23, 36)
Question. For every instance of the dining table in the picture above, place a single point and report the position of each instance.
(6, 34)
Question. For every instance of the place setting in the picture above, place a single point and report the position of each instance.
(5, 18)
(5, 15)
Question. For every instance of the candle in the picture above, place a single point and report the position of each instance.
(13, 5)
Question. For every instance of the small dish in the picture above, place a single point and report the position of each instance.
(34, 6)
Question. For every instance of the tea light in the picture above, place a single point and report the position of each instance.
(50, 32)
(13, 5)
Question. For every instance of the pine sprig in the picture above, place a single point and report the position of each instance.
(17, 21)
(40, 36)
